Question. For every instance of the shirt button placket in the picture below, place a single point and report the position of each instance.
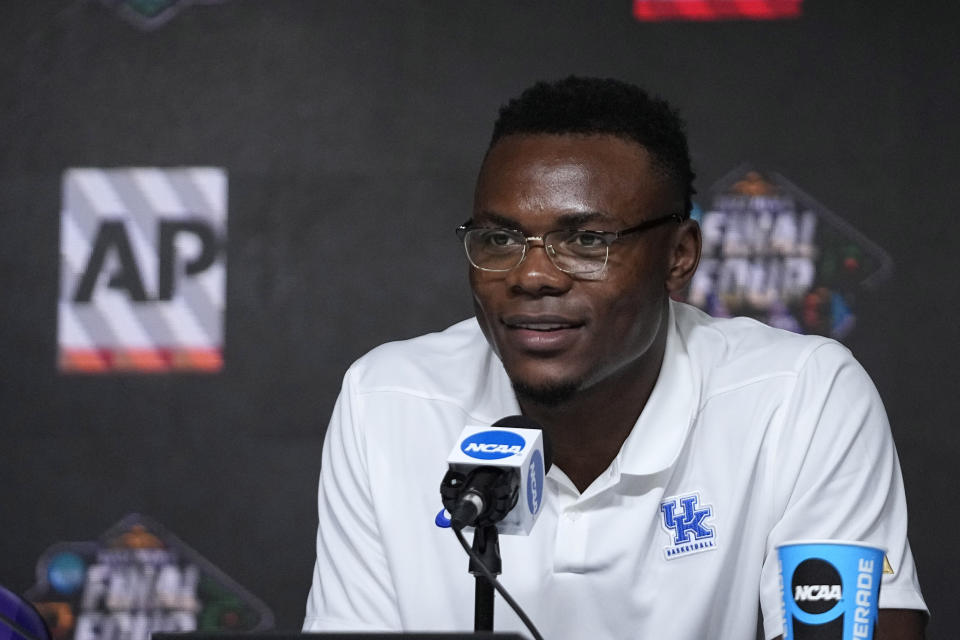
(571, 542)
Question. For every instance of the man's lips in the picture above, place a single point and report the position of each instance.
(541, 333)
(541, 323)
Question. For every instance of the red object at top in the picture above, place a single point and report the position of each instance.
(702, 10)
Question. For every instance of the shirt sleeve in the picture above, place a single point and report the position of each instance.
(835, 475)
(352, 589)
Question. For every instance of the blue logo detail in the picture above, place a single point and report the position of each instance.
(535, 483)
(685, 519)
(493, 445)
(443, 519)
(66, 572)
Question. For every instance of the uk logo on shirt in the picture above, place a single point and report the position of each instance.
(686, 520)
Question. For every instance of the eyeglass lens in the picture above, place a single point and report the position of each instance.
(504, 249)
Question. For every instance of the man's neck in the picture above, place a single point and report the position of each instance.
(587, 432)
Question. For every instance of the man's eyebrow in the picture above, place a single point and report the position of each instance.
(489, 217)
(563, 221)
(581, 218)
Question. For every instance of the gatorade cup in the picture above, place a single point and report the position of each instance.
(830, 589)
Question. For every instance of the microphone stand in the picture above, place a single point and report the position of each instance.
(486, 543)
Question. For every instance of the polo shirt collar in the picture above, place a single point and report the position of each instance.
(659, 434)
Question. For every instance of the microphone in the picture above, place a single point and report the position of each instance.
(496, 476)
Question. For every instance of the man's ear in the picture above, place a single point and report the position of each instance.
(684, 255)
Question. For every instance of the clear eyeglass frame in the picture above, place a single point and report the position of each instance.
(573, 251)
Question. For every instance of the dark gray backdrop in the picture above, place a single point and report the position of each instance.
(351, 132)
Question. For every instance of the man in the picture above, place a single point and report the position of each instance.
(667, 425)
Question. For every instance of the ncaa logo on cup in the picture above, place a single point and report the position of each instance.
(806, 592)
(817, 586)
(493, 445)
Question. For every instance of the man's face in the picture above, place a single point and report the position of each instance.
(558, 334)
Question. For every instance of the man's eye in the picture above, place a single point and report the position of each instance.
(500, 238)
(586, 240)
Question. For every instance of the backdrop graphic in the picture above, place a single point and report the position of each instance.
(772, 252)
(142, 269)
(351, 133)
(151, 14)
(705, 10)
(137, 579)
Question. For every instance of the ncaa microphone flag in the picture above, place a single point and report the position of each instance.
(515, 449)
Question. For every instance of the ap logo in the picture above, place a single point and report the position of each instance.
(686, 522)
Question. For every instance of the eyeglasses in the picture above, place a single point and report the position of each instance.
(574, 251)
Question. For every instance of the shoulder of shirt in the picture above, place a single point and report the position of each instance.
(737, 352)
(448, 364)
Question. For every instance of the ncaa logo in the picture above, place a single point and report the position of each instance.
(493, 445)
(817, 586)
(535, 482)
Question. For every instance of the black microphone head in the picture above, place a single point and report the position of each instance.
(517, 422)
(523, 422)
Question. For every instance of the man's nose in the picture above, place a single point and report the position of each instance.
(537, 274)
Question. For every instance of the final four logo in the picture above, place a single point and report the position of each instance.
(772, 252)
(686, 520)
(138, 579)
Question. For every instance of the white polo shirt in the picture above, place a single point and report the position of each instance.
(752, 436)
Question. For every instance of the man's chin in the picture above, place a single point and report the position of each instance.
(552, 394)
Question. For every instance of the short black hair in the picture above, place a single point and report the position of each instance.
(578, 105)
